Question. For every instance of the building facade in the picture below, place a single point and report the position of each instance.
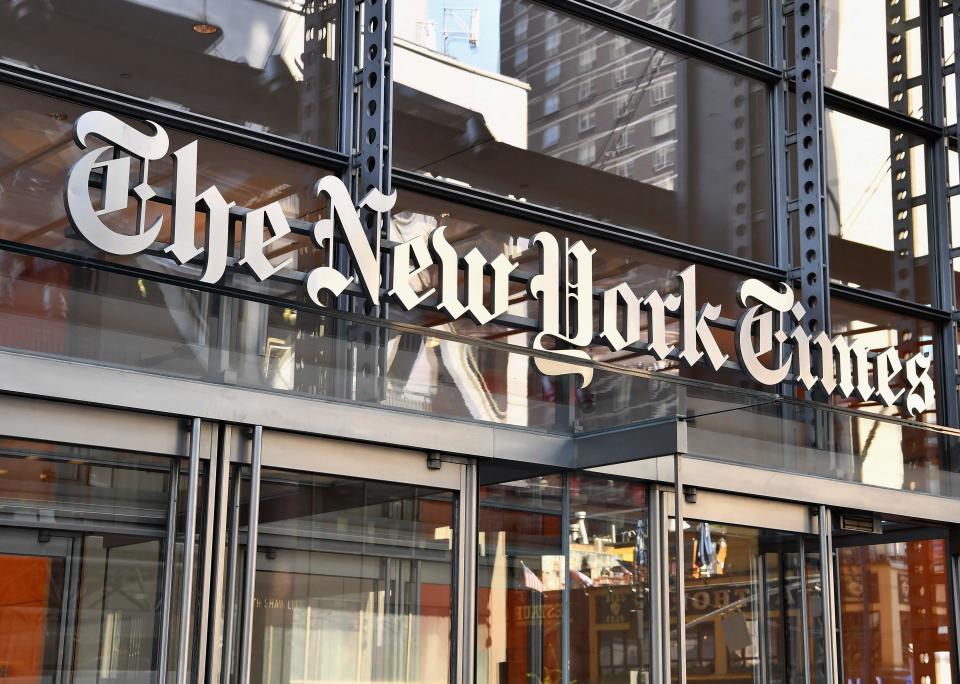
(487, 342)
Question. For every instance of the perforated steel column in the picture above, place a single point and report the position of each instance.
(812, 256)
(370, 170)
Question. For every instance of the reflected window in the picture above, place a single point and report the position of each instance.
(272, 66)
(718, 191)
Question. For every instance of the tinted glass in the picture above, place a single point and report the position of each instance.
(520, 582)
(895, 612)
(82, 544)
(272, 66)
(37, 150)
(556, 112)
(876, 208)
(353, 581)
(740, 27)
(872, 50)
(878, 329)
(609, 570)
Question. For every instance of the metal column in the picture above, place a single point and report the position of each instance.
(811, 261)
(828, 580)
(169, 554)
(250, 561)
(189, 534)
(681, 566)
(464, 651)
(372, 83)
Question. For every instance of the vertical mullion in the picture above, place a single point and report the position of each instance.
(565, 578)
(827, 581)
(804, 614)
(250, 562)
(659, 646)
(227, 661)
(189, 532)
(220, 502)
(467, 538)
(681, 597)
(168, 563)
(938, 228)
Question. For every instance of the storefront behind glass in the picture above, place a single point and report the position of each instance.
(233, 479)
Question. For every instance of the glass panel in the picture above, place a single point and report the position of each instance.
(876, 211)
(82, 539)
(353, 581)
(37, 150)
(609, 566)
(878, 329)
(557, 112)
(729, 24)
(873, 51)
(895, 611)
(270, 66)
(744, 605)
(520, 582)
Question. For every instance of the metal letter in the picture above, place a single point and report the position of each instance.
(886, 365)
(116, 178)
(402, 273)
(747, 354)
(693, 325)
(217, 222)
(915, 404)
(365, 257)
(609, 322)
(847, 355)
(657, 307)
(253, 243)
(545, 287)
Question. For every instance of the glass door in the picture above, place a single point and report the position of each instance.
(753, 602)
(353, 576)
(894, 606)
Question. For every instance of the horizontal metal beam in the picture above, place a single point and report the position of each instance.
(599, 14)
(584, 226)
(890, 303)
(877, 114)
(188, 122)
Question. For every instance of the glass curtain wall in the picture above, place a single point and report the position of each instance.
(354, 580)
(84, 558)
(564, 569)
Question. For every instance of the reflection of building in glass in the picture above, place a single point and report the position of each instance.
(599, 100)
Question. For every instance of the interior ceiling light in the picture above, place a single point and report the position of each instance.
(205, 29)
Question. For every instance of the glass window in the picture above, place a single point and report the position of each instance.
(609, 574)
(551, 103)
(874, 51)
(552, 43)
(83, 535)
(743, 592)
(733, 25)
(521, 574)
(520, 56)
(353, 581)
(720, 195)
(879, 329)
(267, 65)
(37, 150)
(895, 612)
(551, 135)
(876, 208)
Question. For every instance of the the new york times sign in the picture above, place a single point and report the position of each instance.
(562, 283)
